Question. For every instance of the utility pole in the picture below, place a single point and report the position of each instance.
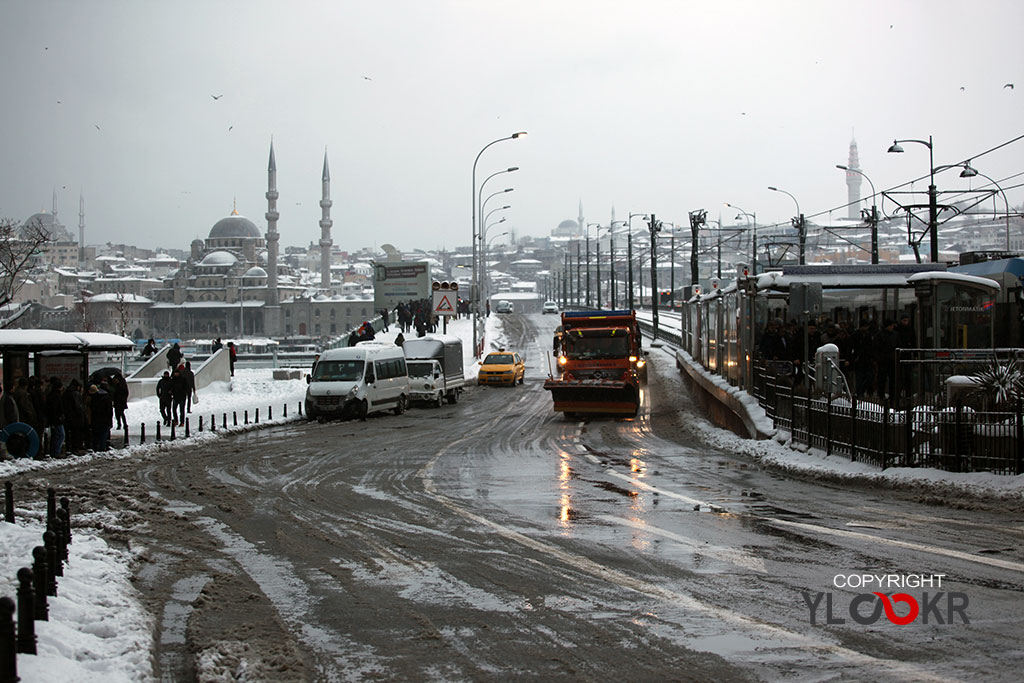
(698, 218)
(655, 228)
(597, 250)
(629, 262)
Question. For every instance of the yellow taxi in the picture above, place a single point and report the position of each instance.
(502, 367)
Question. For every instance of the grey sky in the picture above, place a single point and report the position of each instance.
(647, 106)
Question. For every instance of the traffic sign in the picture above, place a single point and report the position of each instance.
(444, 302)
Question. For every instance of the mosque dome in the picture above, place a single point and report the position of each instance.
(48, 224)
(255, 271)
(219, 258)
(234, 226)
(569, 224)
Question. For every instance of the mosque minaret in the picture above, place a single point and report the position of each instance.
(853, 181)
(325, 228)
(272, 316)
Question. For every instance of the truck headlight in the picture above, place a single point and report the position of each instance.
(640, 363)
(562, 360)
(426, 386)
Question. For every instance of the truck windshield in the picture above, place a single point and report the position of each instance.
(338, 371)
(593, 348)
(419, 369)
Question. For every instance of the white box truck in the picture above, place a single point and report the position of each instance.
(435, 369)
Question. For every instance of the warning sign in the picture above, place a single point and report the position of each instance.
(445, 302)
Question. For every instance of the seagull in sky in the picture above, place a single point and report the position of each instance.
(367, 78)
(95, 126)
(1008, 85)
(217, 97)
(230, 127)
(962, 88)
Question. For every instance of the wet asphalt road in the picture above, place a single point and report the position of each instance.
(494, 539)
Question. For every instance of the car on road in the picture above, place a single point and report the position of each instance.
(550, 307)
(504, 307)
(502, 367)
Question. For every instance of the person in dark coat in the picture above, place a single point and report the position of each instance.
(163, 394)
(190, 378)
(119, 393)
(353, 338)
(101, 416)
(232, 356)
(886, 343)
(26, 409)
(74, 416)
(55, 416)
(179, 394)
(150, 349)
(35, 392)
(174, 356)
(8, 408)
(217, 345)
(400, 339)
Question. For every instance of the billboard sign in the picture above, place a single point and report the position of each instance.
(400, 281)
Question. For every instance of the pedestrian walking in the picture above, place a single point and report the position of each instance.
(217, 345)
(190, 379)
(179, 394)
(149, 349)
(119, 392)
(163, 395)
(101, 416)
(174, 356)
(232, 356)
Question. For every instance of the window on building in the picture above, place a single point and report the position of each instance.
(334, 328)
(317, 328)
(316, 313)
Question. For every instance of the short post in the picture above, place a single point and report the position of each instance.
(126, 434)
(26, 624)
(885, 432)
(234, 418)
(142, 432)
(270, 412)
(213, 422)
(40, 610)
(157, 431)
(257, 416)
(51, 506)
(958, 436)
(200, 424)
(51, 563)
(65, 505)
(300, 408)
(174, 425)
(828, 425)
(853, 428)
(9, 502)
(8, 651)
(58, 552)
(286, 410)
(62, 538)
(186, 428)
(246, 416)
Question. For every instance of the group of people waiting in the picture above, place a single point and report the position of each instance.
(418, 315)
(72, 419)
(867, 350)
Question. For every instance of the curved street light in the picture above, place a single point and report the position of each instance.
(873, 219)
(473, 196)
(629, 254)
(933, 225)
(753, 244)
(970, 172)
(801, 232)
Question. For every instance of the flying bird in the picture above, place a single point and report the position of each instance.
(962, 88)
(367, 78)
(95, 126)
(1008, 85)
(230, 127)
(216, 97)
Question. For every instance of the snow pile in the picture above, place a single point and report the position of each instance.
(98, 630)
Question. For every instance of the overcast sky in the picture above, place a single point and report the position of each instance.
(646, 106)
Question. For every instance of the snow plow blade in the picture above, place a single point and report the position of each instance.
(593, 396)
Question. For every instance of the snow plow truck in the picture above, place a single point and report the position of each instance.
(600, 363)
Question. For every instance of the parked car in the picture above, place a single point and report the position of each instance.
(550, 307)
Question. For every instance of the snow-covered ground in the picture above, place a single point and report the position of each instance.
(98, 630)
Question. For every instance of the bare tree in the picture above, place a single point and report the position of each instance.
(122, 305)
(18, 251)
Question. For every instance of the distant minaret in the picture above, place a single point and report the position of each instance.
(272, 236)
(81, 228)
(853, 181)
(583, 225)
(54, 211)
(325, 228)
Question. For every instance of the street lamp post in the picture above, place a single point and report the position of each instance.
(629, 256)
(801, 231)
(873, 218)
(654, 225)
(473, 196)
(969, 172)
(753, 244)
(486, 282)
(933, 211)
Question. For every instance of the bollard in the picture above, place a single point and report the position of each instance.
(213, 422)
(173, 425)
(62, 532)
(234, 417)
(52, 562)
(300, 408)
(225, 420)
(257, 416)
(157, 431)
(40, 610)
(26, 624)
(186, 427)
(200, 424)
(51, 506)
(65, 505)
(9, 502)
(142, 433)
(126, 434)
(246, 415)
(8, 653)
(286, 410)
(270, 413)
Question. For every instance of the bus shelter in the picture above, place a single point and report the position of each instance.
(51, 353)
